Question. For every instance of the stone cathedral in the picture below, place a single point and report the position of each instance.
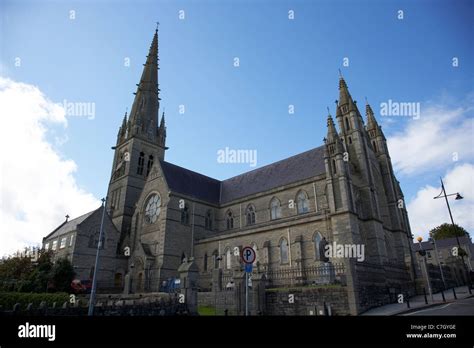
(343, 192)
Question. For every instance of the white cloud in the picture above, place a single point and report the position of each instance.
(432, 141)
(37, 185)
(426, 213)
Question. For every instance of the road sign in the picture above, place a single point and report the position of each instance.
(248, 267)
(248, 255)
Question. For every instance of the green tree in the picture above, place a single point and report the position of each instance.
(41, 274)
(448, 231)
(62, 275)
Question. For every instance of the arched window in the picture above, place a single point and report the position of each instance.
(228, 259)
(317, 239)
(208, 220)
(149, 164)
(230, 220)
(205, 262)
(334, 166)
(348, 127)
(185, 215)
(302, 202)
(141, 162)
(215, 258)
(250, 213)
(283, 251)
(375, 145)
(275, 208)
(254, 247)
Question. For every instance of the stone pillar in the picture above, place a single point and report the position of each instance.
(127, 285)
(239, 292)
(217, 279)
(188, 274)
(258, 294)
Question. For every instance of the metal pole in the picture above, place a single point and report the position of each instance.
(468, 274)
(246, 293)
(439, 263)
(428, 278)
(99, 245)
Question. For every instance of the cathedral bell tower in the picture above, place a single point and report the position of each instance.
(140, 142)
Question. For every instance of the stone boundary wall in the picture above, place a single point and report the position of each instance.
(307, 301)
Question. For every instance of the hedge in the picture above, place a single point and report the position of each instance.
(9, 299)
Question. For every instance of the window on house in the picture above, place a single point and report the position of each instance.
(250, 213)
(228, 259)
(185, 215)
(348, 127)
(46, 246)
(205, 262)
(149, 164)
(275, 209)
(208, 220)
(230, 220)
(71, 240)
(141, 162)
(55, 245)
(374, 145)
(283, 251)
(302, 202)
(334, 166)
(63, 243)
(215, 258)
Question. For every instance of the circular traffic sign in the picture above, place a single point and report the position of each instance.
(248, 255)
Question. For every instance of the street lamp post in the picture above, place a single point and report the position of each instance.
(423, 255)
(433, 241)
(458, 197)
(99, 245)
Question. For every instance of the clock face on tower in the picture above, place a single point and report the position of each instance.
(152, 208)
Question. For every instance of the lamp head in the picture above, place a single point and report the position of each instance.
(458, 196)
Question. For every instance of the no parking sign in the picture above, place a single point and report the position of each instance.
(248, 255)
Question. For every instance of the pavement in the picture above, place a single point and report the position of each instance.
(417, 304)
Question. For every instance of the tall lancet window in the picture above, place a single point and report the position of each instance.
(348, 127)
(283, 251)
(275, 209)
(250, 215)
(302, 202)
(141, 162)
(149, 164)
(230, 220)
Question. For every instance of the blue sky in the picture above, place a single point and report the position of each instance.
(282, 62)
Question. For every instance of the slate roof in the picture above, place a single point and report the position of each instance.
(190, 183)
(296, 168)
(69, 226)
(442, 243)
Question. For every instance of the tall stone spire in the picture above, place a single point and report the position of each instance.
(371, 121)
(144, 113)
(345, 97)
(333, 142)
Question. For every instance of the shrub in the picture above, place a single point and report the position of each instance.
(8, 299)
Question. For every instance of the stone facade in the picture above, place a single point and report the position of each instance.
(77, 241)
(343, 192)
